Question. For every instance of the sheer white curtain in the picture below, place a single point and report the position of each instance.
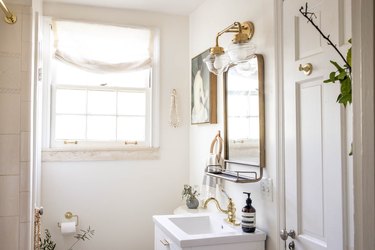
(102, 48)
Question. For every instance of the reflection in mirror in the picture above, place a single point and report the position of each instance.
(244, 112)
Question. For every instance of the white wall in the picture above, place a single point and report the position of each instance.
(118, 198)
(205, 22)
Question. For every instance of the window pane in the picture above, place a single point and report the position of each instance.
(131, 103)
(70, 101)
(70, 127)
(101, 102)
(101, 128)
(131, 128)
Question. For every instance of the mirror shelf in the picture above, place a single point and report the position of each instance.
(238, 176)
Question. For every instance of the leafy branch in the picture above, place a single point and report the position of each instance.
(84, 235)
(47, 243)
(342, 73)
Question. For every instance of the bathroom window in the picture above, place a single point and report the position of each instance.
(102, 85)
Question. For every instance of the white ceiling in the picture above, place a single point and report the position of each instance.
(178, 7)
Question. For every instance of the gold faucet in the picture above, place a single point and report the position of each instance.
(231, 209)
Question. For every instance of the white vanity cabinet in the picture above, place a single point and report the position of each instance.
(163, 242)
(198, 232)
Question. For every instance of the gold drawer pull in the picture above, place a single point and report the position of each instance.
(164, 242)
(131, 142)
(70, 142)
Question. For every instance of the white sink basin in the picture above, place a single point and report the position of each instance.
(193, 230)
(204, 224)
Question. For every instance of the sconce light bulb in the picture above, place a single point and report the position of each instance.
(218, 64)
(241, 51)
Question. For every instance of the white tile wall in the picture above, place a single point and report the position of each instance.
(9, 113)
(25, 236)
(24, 207)
(25, 116)
(9, 233)
(25, 146)
(10, 67)
(26, 56)
(26, 28)
(25, 86)
(25, 177)
(15, 106)
(25, 2)
(9, 193)
(11, 40)
(9, 154)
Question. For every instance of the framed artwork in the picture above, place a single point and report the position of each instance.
(203, 92)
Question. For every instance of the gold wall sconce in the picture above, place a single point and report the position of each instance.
(241, 49)
(9, 16)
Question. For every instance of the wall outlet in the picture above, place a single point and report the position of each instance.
(266, 189)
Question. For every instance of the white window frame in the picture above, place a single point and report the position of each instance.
(152, 111)
(96, 143)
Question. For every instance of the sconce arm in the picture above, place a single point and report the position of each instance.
(235, 27)
(245, 32)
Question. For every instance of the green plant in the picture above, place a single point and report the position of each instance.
(84, 235)
(47, 243)
(342, 73)
(189, 192)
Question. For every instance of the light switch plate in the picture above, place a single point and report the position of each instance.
(266, 189)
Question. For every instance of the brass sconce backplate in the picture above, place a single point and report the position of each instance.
(247, 29)
(11, 19)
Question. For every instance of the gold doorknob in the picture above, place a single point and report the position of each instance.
(306, 68)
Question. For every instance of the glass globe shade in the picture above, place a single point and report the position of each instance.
(240, 51)
(217, 64)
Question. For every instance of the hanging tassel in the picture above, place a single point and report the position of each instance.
(174, 117)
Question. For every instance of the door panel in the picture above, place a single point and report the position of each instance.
(310, 174)
(313, 125)
(308, 41)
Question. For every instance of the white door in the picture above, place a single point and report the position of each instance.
(313, 128)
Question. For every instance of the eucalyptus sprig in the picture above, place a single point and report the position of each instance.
(84, 235)
(342, 73)
(188, 192)
(47, 243)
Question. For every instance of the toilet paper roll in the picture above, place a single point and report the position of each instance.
(68, 228)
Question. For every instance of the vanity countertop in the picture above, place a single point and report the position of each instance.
(183, 209)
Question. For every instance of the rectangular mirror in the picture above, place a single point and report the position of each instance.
(244, 115)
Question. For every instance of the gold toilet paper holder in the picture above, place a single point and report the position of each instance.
(69, 215)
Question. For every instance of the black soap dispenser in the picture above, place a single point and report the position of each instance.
(248, 216)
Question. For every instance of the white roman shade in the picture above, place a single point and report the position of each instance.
(103, 48)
